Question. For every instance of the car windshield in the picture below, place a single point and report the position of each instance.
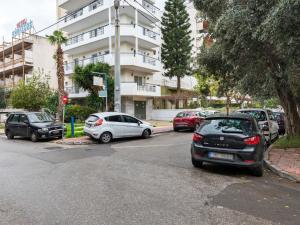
(258, 115)
(227, 125)
(40, 118)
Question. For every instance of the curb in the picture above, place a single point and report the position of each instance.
(91, 142)
(277, 170)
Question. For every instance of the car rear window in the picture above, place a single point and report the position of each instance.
(92, 118)
(116, 118)
(184, 114)
(258, 115)
(227, 125)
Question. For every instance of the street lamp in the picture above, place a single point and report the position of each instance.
(104, 75)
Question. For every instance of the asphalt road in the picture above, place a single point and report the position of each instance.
(135, 182)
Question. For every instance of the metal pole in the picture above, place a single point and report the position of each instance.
(63, 124)
(117, 59)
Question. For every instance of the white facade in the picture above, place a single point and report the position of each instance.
(91, 32)
(20, 58)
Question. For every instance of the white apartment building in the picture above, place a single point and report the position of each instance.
(91, 32)
(20, 57)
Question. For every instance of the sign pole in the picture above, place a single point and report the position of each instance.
(63, 128)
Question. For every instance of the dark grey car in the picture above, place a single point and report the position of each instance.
(229, 140)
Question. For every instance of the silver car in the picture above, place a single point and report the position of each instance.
(110, 125)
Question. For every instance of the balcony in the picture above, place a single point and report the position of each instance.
(71, 5)
(74, 92)
(134, 89)
(70, 66)
(17, 64)
(99, 37)
(92, 14)
(88, 41)
(128, 60)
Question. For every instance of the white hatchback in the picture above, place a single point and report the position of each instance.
(110, 125)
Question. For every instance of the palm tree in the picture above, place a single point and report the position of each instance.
(57, 39)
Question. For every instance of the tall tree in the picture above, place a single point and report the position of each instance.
(177, 41)
(260, 39)
(58, 39)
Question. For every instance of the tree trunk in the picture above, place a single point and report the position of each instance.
(228, 102)
(289, 105)
(178, 91)
(60, 81)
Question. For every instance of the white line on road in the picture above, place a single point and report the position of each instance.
(147, 146)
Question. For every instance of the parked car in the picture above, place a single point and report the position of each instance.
(188, 120)
(279, 116)
(33, 125)
(110, 125)
(229, 140)
(266, 122)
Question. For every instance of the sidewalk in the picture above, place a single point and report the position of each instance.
(285, 162)
(87, 141)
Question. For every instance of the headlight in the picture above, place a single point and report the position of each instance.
(45, 129)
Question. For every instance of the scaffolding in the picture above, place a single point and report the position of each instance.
(13, 58)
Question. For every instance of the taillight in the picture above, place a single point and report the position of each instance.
(252, 141)
(99, 122)
(197, 137)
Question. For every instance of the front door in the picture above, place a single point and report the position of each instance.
(140, 109)
(23, 126)
(133, 126)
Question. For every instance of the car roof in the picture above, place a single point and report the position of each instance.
(252, 109)
(231, 116)
(105, 114)
(24, 112)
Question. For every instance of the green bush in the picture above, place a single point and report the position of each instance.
(80, 113)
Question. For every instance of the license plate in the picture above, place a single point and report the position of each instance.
(216, 155)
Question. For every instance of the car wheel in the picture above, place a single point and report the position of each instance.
(9, 135)
(196, 163)
(146, 134)
(106, 137)
(259, 170)
(34, 137)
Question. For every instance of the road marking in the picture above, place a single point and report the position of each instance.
(147, 146)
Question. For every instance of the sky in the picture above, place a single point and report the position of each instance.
(41, 12)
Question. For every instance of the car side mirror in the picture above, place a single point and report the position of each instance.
(139, 123)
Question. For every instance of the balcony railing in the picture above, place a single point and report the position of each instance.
(150, 7)
(147, 87)
(135, 89)
(148, 32)
(93, 6)
(87, 35)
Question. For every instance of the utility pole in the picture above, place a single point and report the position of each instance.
(117, 59)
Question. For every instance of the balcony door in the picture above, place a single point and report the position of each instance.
(140, 109)
(140, 81)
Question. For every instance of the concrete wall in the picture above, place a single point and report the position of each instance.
(166, 114)
(43, 61)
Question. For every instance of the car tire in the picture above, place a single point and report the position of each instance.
(258, 171)
(105, 138)
(146, 134)
(34, 137)
(196, 163)
(9, 135)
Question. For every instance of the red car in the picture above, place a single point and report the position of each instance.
(188, 120)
